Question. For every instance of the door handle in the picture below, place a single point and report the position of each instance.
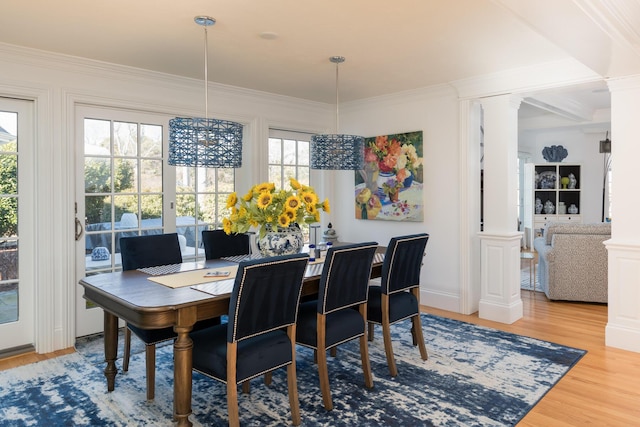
(79, 229)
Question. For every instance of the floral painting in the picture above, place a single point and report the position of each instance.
(390, 185)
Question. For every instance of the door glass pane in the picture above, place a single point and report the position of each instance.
(123, 187)
(9, 285)
(201, 195)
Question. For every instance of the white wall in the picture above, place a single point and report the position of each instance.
(435, 112)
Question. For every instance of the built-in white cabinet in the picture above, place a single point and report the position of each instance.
(551, 193)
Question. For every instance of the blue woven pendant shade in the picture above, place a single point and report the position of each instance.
(337, 152)
(205, 143)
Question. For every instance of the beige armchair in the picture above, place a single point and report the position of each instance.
(573, 261)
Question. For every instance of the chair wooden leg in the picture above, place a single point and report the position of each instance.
(386, 334)
(246, 387)
(292, 381)
(414, 339)
(232, 385)
(366, 366)
(370, 331)
(267, 378)
(323, 372)
(334, 351)
(417, 327)
(150, 353)
(127, 349)
(364, 350)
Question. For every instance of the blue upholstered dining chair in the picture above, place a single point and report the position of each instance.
(218, 244)
(398, 296)
(331, 319)
(260, 335)
(151, 251)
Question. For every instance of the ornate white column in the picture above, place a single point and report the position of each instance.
(623, 327)
(500, 241)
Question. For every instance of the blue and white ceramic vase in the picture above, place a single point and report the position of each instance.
(408, 180)
(388, 178)
(283, 241)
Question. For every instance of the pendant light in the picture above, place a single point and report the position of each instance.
(337, 151)
(205, 142)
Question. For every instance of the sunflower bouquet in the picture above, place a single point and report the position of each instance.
(266, 208)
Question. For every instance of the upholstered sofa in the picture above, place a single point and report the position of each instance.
(573, 261)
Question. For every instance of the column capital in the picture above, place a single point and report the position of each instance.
(506, 100)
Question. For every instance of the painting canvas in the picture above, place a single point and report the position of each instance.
(389, 187)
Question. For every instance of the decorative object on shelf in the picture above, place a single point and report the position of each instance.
(549, 208)
(573, 209)
(282, 241)
(539, 206)
(337, 151)
(562, 208)
(330, 234)
(393, 174)
(547, 180)
(564, 181)
(205, 142)
(268, 208)
(100, 253)
(555, 153)
(573, 182)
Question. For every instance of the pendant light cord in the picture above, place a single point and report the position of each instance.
(337, 99)
(337, 60)
(206, 74)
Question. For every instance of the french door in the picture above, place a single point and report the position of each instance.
(121, 191)
(17, 280)
(125, 188)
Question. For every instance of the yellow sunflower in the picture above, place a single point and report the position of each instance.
(325, 206)
(283, 220)
(292, 203)
(309, 198)
(232, 199)
(294, 183)
(265, 186)
(264, 199)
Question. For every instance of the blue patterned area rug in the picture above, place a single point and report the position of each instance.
(475, 376)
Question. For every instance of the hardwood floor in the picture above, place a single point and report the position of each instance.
(603, 389)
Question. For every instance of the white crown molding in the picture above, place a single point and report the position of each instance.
(401, 98)
(548, 75)
(115, 72)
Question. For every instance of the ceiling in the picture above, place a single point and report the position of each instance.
(283, 46)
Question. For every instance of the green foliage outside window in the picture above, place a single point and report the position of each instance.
(9, 190)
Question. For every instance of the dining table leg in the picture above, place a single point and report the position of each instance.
(182, 366)
(110, 348)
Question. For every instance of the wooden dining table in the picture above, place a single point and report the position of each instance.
(134, 298)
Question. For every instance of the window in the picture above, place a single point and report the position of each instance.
(201, 194)
(289, 157)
